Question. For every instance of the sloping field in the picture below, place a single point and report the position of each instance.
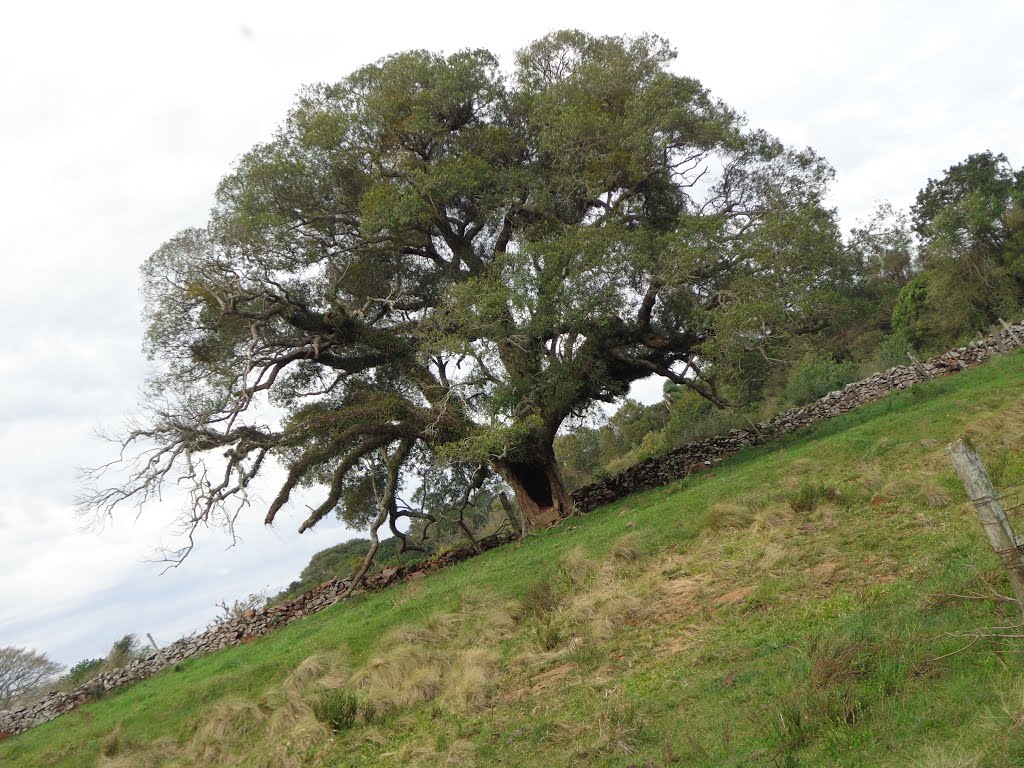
(828, 600)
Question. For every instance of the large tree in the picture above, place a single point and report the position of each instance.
(436, 261)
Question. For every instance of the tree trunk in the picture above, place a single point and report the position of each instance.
(540, 492)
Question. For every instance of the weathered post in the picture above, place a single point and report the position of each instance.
(158, 650)
(920, 367)
(991, 513)
(1013, 333)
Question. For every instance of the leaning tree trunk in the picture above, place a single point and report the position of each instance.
(540, 492)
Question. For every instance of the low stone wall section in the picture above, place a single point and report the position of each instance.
(653, 472)
(241, 630)
(681, 462)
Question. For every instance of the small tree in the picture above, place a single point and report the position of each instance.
(241, 608)
(23, 672)
(123, 652)
(436, 262)
(84, 670)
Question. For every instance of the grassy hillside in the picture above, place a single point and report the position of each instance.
(796, 606)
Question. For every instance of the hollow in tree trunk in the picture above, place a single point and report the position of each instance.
(540, 492)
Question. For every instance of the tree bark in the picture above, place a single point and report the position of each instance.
(540, 492)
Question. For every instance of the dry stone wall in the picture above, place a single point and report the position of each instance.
(241, 630)
(694, 457)
(648, 474)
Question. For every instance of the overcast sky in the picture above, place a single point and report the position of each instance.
(117, 120)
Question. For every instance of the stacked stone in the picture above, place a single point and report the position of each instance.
(648, 474)
(238, 630)
(681, 462)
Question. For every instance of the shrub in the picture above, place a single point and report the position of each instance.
(816, 376)
(892, 351)
(124, 652)
(577, 569)
(337, 709)
(80, 673)
(807, 497)
(541, 598)
(240, 609)
(908, 316)
(626, 549)
(549, 633)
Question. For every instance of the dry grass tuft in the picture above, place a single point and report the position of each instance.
(541, 598)
(577, 569)
(770, 516)
(936, 497)
(870, 477)
(600, 613)
(683, 596)
(1012, 706)
(835, 662)
(140, 760)
(626, 549)
(321, 670)
(291, 705)
(161, 753)
(280, 731)
(809, 495)
(935, 757)
(401, 675)
(614, 729)
(466, 682)
(729, 515)
(111, 744)
(446, 657)
(456, 755)
(231, 726)
(618, 727)
(285, 712)
(999, 431)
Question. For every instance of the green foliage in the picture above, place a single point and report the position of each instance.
(341, 561)
(124, 651)
(441, 494)
(337, 708)
(688, 414)
(969, 203)
(437, 261)
(970, 225)
(549, 632)
(541, 598)
(816, 376)
(892, 351)
(884, 247)
(809, 495)
(908, 316)
(84, 670)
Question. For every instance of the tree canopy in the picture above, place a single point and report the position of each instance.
(970, 224)
(436, 261)
(24, 672)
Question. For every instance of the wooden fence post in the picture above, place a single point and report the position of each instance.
(991, 513)
(1013, 333)
(920, 367)
(156, 647)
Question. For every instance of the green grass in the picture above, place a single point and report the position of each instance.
(793, 607)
